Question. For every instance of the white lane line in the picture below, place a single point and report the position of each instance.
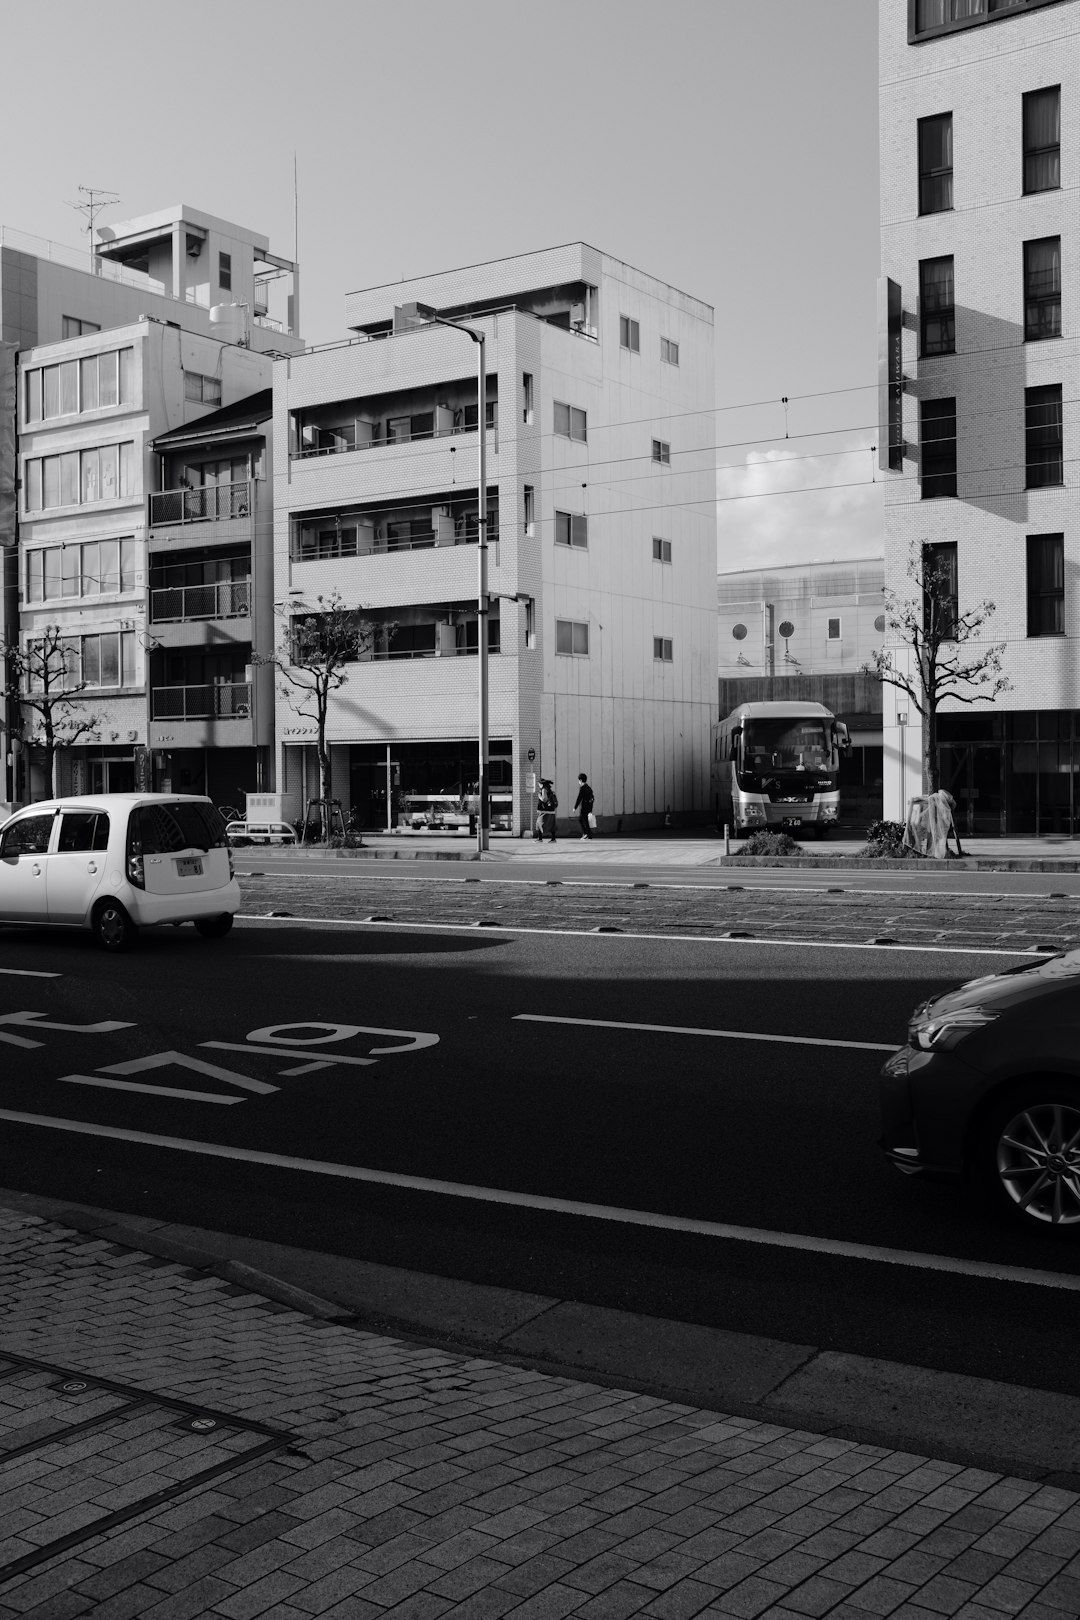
(717, 1034)
(676, 939)
(30, 973)
(832, 1247)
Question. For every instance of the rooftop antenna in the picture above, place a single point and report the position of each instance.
(96, 200)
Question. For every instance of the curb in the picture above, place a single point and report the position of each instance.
(973, 1422)
(858, 863)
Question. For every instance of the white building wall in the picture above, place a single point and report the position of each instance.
(980, 75)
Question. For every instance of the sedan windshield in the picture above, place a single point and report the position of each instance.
(786, 744)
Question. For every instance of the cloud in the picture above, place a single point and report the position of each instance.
(784, 506)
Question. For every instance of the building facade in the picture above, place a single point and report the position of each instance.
(979, 377)
(804, 632)
(601, 527)
(91, 403)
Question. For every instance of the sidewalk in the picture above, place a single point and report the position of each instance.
(175, 1445)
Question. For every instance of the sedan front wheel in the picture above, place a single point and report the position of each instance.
(1029, 1154)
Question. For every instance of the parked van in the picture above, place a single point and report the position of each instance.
(117, 862)
(260, 832)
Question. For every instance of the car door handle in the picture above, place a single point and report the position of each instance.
(91, 866)
(36, 869)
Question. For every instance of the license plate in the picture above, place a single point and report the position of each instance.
(792, 821)
(188, 866)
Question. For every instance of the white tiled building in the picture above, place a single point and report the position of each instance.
(599, 421)
(90, 404)
(980, 375)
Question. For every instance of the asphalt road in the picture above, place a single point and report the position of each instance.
(428, 1097)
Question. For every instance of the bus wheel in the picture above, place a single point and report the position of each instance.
(821, 831)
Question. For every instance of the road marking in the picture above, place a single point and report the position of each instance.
(912, 1259)
(671, 939)
(154, 1091)
(30, 973)
(717, 1034)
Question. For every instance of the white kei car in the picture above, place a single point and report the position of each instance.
(117, 862)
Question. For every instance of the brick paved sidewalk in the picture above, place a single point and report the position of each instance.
(205, 1452)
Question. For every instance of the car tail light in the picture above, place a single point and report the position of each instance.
(134, 864)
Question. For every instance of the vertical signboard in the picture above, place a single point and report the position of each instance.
(890, 376)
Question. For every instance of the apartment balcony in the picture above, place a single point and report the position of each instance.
(390, 578)
(381, 470)
(201, 716)
(218, 514)
(201, 615)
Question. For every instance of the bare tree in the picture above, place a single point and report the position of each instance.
(949, 660)
(48, 692)
(312, 656)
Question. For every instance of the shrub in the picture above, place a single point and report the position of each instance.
(885, 841)
(770, 843)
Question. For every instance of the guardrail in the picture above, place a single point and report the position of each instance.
(230, 702)
(213, 501)
(227, 599)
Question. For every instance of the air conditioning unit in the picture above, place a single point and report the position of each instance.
(442, 525)
(577, 315)
(446, 640)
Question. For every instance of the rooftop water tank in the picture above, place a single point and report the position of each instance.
(234, 322)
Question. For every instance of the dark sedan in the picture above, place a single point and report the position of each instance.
(988, 1085)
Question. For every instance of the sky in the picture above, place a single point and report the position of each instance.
(728, 147)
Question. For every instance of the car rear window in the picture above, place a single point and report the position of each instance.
(83, 830)
(163, 829)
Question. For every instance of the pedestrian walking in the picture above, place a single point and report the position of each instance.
(546, 806)
(583, 804)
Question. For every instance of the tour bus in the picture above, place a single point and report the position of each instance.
(776, 765)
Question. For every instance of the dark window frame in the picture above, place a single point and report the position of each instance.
(931, 176)
(945, 550)
(1044, 437)
(917, 36)
(1041, 308)
(1033, 155)
(937, 470)
(941, 315)
(225, 271)
(1045, 603)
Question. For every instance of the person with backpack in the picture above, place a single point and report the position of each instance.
(583, 805)
(546, 806)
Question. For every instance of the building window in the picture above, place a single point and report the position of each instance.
(937, 307)
(530, 509)
(78, 478)
(202, 390)
(1046, 584)
(98, 661)
(661, 649)
(571, 638)
(72, 327)
(98, 568)
(570, 423)
(571, 529)
(629, 334)
(74, 386)
(941, 597)
(225, 272)
(938, 422)
(527, 396)
(1042, 288)
(1042, 139)
(661, 550)
(933, 16)
(935, 164)
(834, 629)
(1044, 452)
(661, 452)
(669, 352)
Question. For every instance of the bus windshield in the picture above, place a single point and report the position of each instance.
(786, 744)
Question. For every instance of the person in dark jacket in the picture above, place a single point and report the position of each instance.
(546, 806)
(583, 804)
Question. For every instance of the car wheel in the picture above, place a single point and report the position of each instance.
(214, 927)
(113, 928)
(821, 832)
(1028, 1155)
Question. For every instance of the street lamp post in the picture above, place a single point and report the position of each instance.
(483, 809)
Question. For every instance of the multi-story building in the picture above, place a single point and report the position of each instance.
(804, 632)
(171, 325)
(980, 384)
(601, 524)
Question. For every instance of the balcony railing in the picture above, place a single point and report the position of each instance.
(228, 702)
(336, 440)
(227, 599)
(200, 505)
(347, 545)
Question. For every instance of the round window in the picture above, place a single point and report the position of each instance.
(879, 622)
(787, 629)
(739, 632)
